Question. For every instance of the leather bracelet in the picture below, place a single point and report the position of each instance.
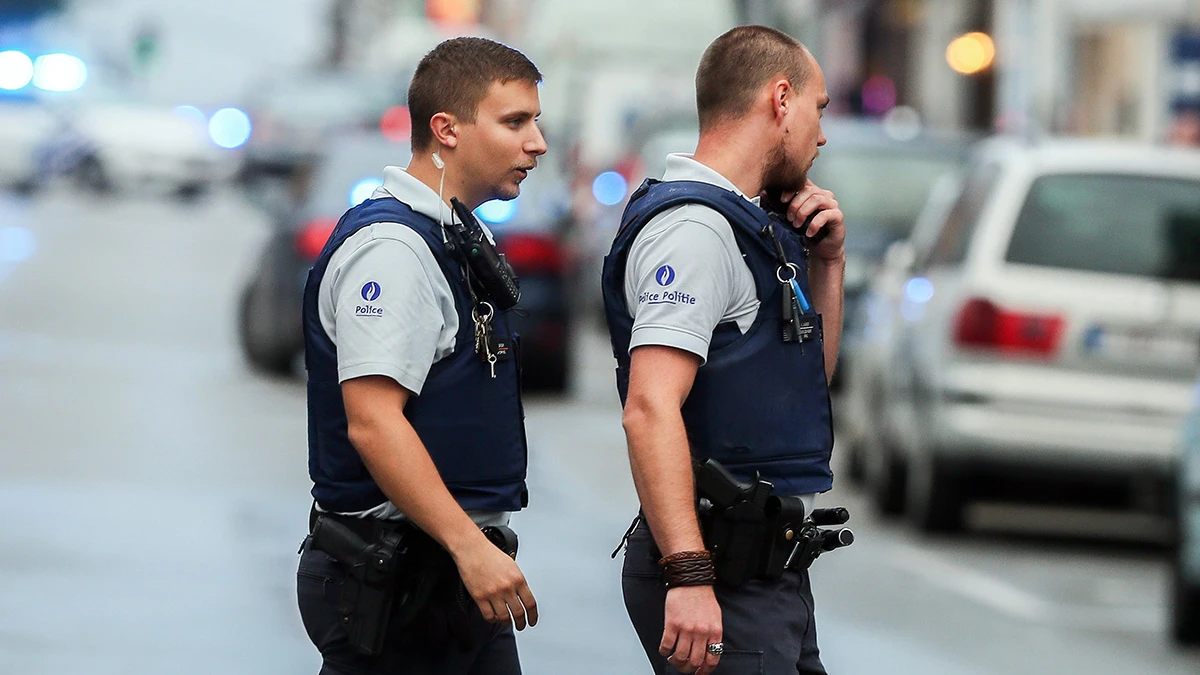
(688, 568)
(684, 555)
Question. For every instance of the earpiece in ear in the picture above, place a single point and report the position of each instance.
(437, 161)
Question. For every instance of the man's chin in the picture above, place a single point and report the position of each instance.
(507, 192)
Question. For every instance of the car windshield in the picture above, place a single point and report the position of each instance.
(879, 189)
(351, 172)
(1120, 224)
(328, 100)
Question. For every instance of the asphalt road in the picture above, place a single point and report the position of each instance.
(155, 491)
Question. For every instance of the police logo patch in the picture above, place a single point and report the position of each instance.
(371, 291)
(665, 275)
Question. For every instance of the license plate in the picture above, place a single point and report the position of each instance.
(1142, 345)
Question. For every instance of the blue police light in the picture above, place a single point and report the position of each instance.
(229, 128)
(497, 211)
(918, 290)
(59, 72)
(16, 70)
(609, 188)
(363, 190)
(192, 114)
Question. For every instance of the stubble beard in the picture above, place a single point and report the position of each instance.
(783, 173)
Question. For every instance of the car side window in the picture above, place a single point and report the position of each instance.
(951, 244)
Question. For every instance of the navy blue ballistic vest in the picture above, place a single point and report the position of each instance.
(758, 404)
(471, 424)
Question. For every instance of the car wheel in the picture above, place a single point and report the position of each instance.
(855, 468)
(25, 187)
(191, 192)
(262, 345)
(935, 497)
(92, 175)
(885, 479)
(1185, 605)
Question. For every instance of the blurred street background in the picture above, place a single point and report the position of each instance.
(1017, 399)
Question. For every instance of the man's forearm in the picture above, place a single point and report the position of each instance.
(825, 279)
(662, 473)
(404, 471)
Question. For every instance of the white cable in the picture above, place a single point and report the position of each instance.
(437, 162)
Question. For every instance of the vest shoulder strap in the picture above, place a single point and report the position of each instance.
(654, 197)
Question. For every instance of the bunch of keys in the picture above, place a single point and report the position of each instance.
(489, 346)
(798, 325)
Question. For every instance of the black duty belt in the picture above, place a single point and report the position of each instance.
(368, 528)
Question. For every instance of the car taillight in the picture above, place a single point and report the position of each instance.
(982, 324)
(531, 254)
(312, 237)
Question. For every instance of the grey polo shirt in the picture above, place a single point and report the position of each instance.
(386, 305)
(685, 273)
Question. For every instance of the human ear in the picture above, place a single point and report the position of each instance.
(781, 97)
(443, 126)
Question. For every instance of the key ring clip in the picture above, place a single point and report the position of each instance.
(779, 273)
(475, 313)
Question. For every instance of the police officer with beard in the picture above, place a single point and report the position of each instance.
(416, 435)
(725, 322)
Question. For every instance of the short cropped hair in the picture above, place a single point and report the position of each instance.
(739, 63)
(455, 76)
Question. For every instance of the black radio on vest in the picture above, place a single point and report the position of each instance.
(490, 273)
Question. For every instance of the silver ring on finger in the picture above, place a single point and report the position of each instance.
(716, 648)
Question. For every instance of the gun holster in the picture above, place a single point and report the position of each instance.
(393, 572)
(754, 534)
(372, 572)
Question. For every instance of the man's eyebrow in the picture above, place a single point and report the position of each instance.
(520, 112)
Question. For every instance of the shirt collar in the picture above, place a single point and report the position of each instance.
(421, 198)
(683, 166)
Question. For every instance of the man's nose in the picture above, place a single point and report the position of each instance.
(536, 145)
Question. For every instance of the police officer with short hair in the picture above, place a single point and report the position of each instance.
(725, 323)
(417, 445)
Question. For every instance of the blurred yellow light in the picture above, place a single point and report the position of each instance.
(968, 54)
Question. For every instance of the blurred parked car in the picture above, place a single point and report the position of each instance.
(1041, 330)
(526, 231)
(111, 146)
(881, 174)
(294, 115)
(1185, 564)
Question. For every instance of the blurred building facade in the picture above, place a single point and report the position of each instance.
(1090, 67)
(1126, 68)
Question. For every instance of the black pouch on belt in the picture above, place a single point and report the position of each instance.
(785, 518)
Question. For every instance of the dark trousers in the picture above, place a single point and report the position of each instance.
(412, 650)
(768, 627)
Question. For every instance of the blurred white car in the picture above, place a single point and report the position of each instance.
(24, 128)
(1041, 331)
(122, 146)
